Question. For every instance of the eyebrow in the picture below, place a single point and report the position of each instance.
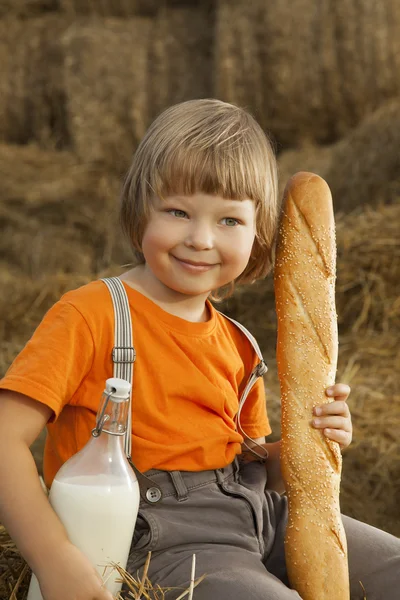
(230, 202)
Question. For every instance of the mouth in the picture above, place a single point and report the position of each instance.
(194, 265)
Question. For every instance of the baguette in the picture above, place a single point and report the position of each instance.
(307, 350)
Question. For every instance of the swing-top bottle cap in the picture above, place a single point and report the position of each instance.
(119, 389)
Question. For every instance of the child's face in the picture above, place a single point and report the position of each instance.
(195, 244)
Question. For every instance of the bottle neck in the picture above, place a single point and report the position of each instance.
(112, 416)
(112, 444)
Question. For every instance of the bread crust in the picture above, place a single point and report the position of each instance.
(307, 350)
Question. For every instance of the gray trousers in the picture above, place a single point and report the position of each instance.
(236, 526)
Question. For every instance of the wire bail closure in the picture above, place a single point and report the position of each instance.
(100, 421)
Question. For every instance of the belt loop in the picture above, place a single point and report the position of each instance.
(179, 485)
(236, 468)
(220, 475)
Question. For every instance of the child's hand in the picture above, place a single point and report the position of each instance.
(334, 417)
(71, 575)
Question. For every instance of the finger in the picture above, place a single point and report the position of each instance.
(338, 390)
(338, 435)
(333, 422)
(339, 407)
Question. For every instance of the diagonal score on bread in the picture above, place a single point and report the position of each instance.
(322, 258)
(297, 298)
(307, 351)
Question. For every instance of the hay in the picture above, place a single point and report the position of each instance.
(181, 57)
(368, 286)
(32, 103)
(109, 8)
(57, 216)
(308, 70)
(15, 577)
(27, 8)
(370, 363)
(106, 65)
(365, 165)
(362, 168)
(120, 74)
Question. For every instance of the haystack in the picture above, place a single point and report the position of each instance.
(57, 216)
(106, 71)
(362, 168)
(32, 103)
(308, 70)
(365, 165)
(109, 8)
(368, 287)
(27, 8)
(181, 57)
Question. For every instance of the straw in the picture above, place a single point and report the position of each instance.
(308, 71)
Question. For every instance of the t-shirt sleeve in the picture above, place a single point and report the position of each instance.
(254, 419)
(55, 360)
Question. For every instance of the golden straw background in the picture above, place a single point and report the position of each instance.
(80, 81)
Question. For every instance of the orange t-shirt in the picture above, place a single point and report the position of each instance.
(187, 380)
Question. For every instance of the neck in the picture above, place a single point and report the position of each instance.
(190, 308)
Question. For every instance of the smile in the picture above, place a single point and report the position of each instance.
(194, 267)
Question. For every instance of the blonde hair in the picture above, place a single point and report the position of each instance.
(206, 146)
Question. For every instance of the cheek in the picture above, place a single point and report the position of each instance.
(151, 244)
(152, 237)
(238, 250)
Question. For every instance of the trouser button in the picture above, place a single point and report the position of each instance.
(153, 494)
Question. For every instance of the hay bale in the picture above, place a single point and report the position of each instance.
(181, 56)
(365, 165)
(27, 8)
(368, 286)
(32, 103)
(109, 8)
(362, 168)
(370, 363)
(56, 215)
(308, 70)
(106, 67)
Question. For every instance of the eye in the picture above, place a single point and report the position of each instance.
(230, 221)
(176, 212)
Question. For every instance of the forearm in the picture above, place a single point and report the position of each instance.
(24, 508)
(272, 462)
(273, 466)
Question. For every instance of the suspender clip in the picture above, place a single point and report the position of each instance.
(123, 354)
(260, 369)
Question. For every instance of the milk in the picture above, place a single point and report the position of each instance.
(86, 505)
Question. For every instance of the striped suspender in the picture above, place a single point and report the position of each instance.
(124, 356)
(259, 370)
(123, 352)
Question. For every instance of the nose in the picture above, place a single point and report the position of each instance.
(200, 237)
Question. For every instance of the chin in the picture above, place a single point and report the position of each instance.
(191, 292)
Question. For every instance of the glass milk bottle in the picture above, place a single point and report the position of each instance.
(96, 494)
